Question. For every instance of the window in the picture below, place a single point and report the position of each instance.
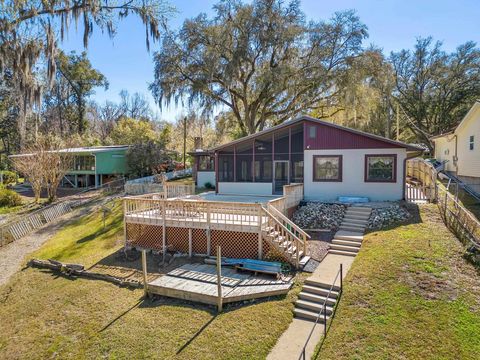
(312, 132)
(472, 142)
(118, 156)
(84, 163)
(327, 168)
(381, 168)
(206, 163)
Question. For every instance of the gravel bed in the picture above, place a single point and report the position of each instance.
(316, 215)
(386, 216)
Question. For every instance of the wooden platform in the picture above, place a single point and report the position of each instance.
(198, 282)
(216, 221)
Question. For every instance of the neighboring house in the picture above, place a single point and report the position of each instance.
(330, 160)
(460, 149)
(94, 166)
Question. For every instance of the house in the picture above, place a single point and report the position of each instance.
(94, 166)
(330, 160)
(460, 149)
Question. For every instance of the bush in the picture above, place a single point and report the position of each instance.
(208, 185)
(9, 177)
(9, 198)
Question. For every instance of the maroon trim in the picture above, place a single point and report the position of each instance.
(328, 124)
(340, 168)
(235, 163)
(394, 180)
(253, 162)
(273, 161)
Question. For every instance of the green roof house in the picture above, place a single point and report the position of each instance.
(94, 166)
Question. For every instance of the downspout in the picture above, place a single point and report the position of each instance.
(408, 157)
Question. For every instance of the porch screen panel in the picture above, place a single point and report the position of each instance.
(281, 147)
(244, 162)
(296, 172)
(225, 168)
(263, 168)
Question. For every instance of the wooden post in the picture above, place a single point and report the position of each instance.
(190, 244)
(164, 232)
(144, 268)
(209, 250)
(219, 279)
(260, 244)
(125, 221)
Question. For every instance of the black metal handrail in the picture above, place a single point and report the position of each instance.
(324, 310)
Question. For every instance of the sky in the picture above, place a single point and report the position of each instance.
(392, 25)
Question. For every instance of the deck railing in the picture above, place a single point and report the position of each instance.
(289, 239)
(292, 195)
(169, 189)
(291, 226)
(193, 213)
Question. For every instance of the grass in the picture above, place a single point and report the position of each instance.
(44, 315)
(409, 295)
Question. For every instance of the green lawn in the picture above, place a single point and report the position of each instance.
(409, 295)
(44, 315)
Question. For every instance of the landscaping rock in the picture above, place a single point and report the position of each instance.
(316, 215)
(386, 216)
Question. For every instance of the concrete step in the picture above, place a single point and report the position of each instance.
(319, 299)
(348, 223)
(352, 228)
(313, 306)
(304, 260)
(360, 209)
(349, 235)
(345, 248)
(340, 252)
(347, 243)
(319, 291)
(308, 315)
(319, 284)
(356, 216)
(355, 221)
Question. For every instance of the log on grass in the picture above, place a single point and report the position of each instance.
(79, 270)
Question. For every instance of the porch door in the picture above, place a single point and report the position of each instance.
(281, 175)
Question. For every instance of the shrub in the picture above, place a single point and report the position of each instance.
(9, 198)
(9, 177)
(208, 185)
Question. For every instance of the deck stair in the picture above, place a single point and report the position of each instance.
(311, 299)
(348, 240)
(285, 236)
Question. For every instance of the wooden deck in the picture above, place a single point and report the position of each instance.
(198, 282)
(199, 220)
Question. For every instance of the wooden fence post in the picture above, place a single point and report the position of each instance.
(219, 279)
(144, 269)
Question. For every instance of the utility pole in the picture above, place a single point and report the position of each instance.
(185, 142)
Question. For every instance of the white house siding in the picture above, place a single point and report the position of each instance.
(245, 188)
(353, 183)
(469, 160)
(445, 150)
(204, 177)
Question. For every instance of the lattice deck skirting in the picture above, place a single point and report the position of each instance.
(234, 244)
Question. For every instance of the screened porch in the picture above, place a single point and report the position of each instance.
(274, 158)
